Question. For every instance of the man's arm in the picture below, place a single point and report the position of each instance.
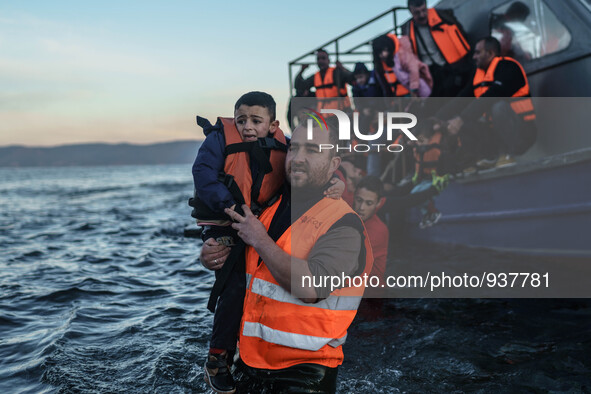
(208, 164)
(343, 76)
(336, 253)
(282, 266)
(301, 84)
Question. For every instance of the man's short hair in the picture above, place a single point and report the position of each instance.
(322, 50)
(491, 44)
(373, 184)
(261, 99)
(517, 11)
(416, 3)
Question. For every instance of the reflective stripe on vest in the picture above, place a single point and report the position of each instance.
(279, 330)
(277, 293)
(238, 165)
(448, 37)
(483, 80)
(289, 339)
(327, 88)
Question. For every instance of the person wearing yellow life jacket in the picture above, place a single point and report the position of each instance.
(439, 41)
(293, 329)
(329, 82)
(512, 121)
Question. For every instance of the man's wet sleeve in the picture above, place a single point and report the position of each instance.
(336, 253)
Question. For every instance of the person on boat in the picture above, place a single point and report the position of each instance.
(439, 41)
(365, 90)
(369, 198)
(291, 334)
(430, 151)
(329, 82)
(507, 127)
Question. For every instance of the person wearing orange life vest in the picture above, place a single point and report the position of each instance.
(439, 41)
(329, 82)
(384, 48)
(512, 121)
(241, 161)
(292, 331)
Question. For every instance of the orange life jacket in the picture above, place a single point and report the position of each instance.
(396, 87)
(448, 37)
(327, 88)
(427, 156)
(277, 330)
(483, 80)
(237, 164)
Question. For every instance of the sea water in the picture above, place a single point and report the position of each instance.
(101, 292)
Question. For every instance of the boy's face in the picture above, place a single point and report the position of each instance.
(366, 203)
(254, 122)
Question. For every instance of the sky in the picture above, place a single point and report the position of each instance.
(139, 71)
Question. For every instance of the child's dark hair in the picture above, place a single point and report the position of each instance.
(261, 99)
(373, 184)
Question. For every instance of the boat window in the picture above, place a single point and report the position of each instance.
(528, 30)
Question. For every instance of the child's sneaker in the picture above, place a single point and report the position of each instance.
(217, 374)
(425, 222)
(434, 217)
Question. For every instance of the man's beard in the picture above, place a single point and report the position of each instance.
(315, 183)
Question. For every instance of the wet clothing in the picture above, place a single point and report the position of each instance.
(301, 378)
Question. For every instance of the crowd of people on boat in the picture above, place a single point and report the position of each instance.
(434, 58)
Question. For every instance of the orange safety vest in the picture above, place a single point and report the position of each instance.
(397, 88)
(327, 88)
(426, 159)
(277, 330)
(483, 80)
(237, 164)
(448, 37)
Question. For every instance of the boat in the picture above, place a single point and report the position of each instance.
(542, 204)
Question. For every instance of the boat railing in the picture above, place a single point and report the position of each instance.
(358, 51)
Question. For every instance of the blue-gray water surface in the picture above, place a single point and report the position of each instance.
(101, 292)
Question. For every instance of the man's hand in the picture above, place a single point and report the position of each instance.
(304, 66)
(250, 229)
(213, 255)
(454, 125)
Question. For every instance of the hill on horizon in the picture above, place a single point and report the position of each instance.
(98, 154)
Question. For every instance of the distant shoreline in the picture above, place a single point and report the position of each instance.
(99, 154)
